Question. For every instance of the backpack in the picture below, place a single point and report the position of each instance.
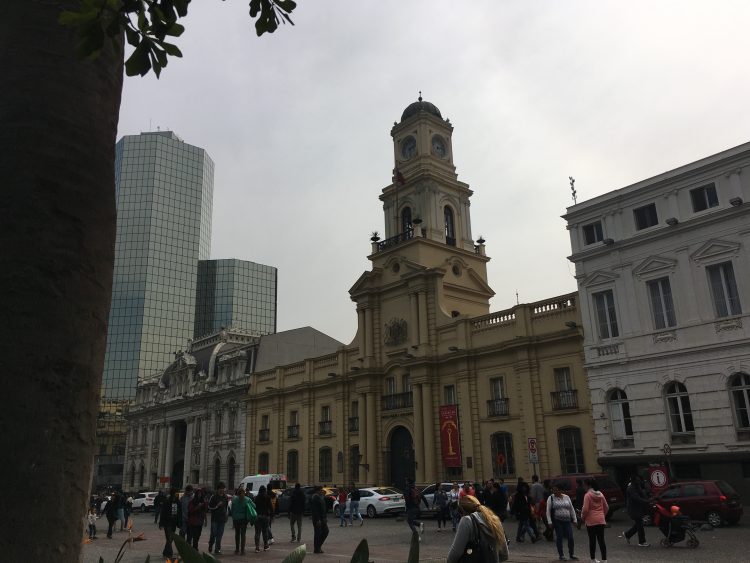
(479, 549)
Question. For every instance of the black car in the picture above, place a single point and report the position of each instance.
(285, 499)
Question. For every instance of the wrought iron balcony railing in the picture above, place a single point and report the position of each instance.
(497, 407)
(562, 400)
(397, 401)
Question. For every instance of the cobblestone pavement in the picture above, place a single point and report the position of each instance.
(389, 537)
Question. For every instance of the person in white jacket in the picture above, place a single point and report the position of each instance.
(561, 516)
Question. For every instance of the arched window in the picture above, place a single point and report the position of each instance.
(450, 227)
(325, 465)
(678, 403)
(142, 475)
(263, 462)
(503, 462)
(619, 413)
(217, 472)
(406, 225)
(571, 450)
(740, 391)
(230, 472)
(292, 465)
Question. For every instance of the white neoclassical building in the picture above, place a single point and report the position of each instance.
(187, 424)
(663, 270)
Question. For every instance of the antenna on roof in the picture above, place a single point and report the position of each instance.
(420, 96)
(573, 188)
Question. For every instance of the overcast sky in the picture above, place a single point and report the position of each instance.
(298, 123)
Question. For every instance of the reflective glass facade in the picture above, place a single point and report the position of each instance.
(235, 293)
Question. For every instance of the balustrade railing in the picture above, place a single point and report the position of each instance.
(264, 435)
(497, 407)
(353, 424)
(396, 240)
(292, 431)
(397, 401)
(562, 400)
(325, 427)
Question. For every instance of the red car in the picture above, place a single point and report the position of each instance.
(713, 501)
(613, 493)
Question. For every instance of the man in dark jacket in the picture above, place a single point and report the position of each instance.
(413, 499)
(170, 520)
(110, 511)
(498, 502)
(217, 508)
(638, 505)
(319, 519)
(296, 509)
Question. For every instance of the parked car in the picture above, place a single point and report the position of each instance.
(613, 493)
(713, 501)
(429, 494)
(374, 501)
(285, 499)
(144, 501)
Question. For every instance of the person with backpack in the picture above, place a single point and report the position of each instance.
(217, 508)
(413, 498)
(440, 504)
(354, 499)
(479, 530)
(170, 520)
(296, 509)
(264, 510)
(242, 507)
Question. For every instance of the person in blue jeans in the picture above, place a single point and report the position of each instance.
(217, 508)
(523, 504)
(561, 515)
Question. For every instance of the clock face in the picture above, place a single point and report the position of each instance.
(438, 146)
(408, 147)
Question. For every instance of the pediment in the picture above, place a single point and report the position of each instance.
(713, 249)
(654, 265)
(365, 282)
(599, 277)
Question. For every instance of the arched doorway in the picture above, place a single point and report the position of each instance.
(401, 457)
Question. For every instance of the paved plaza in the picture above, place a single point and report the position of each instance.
(389, 538)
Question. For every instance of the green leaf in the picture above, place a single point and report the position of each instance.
(362, 553)
(188, 554)
(138, 62)
(414, 549)
(182, 7)
(286, 5)
(175, 30)
(297, 555)
(172, 50)
(133, 36)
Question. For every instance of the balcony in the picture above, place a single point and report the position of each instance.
(292, 432)
(497, 407)
(395, 240)
(564, 400)
(397, 401)
(264, 435)
(353, 424)
(325, 427)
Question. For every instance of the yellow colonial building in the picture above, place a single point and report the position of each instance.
(433, 386)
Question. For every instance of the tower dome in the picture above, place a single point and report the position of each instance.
(418, 106)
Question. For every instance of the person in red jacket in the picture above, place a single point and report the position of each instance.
(196, 516)
(594, 514)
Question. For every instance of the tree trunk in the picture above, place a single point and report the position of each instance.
(58, 123)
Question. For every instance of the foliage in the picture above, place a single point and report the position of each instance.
(297, 555)
(190, 555)
(414, 549)
(362, 553)
(148, 23)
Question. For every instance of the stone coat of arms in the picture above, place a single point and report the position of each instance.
(395, 332)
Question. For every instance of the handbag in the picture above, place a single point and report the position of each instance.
(252, 514)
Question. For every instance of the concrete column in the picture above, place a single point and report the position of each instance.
(369, 333)
(362, 329)
(414, 321)
(418, 432)
(149, 447)
(204, 450)
(169, 457)
(362, 400)
(428, 418)
(188, 452)
(424, 336)
(372, 456)
(162, 449)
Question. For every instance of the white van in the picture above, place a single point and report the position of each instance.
(275, 481)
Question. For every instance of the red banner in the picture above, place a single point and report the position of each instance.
(449, 436)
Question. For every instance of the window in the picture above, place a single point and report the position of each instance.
(293, 418)
(450, 229)
(694, 490)
(606, 317)
(497, 388)
(292, 465)
(724, 289)
(660, 293)
(678, 402)
(325, 466)
(325, 413)
(231, 465)
(704, 197)
(571, 450)
(354, 462)
(405, 384)
(593, 232)
(263, 462)
(503, 463)
(645, 216)
(406, 224)
(142, 475)
(218, 422)
(740, 391)
(619, 411)
(355, 409)
(563, 381)
(449, 395)
(390, 386)
(340, 462)
(264, 422)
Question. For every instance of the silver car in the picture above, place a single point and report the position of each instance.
(374, 501)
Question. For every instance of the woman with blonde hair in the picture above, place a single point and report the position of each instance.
(479, 536)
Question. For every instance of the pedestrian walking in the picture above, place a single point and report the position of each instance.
(157, 505)
(169, 520)
(91, 518)
(561, 516)
(196, 517)
(121, 511)
(453, 495)
(264, 509)
(274, 509)
(342, 507)
(413, 500)
(110, 511)
(184, 503)
(319, 519)
(481, 530)
(217, 508)
(241, 505)
(440, 505)
(638, 505)
(594, 515)
(296, 509)
(523, 509)
(128, 509)
(354, 499)
(498, 502)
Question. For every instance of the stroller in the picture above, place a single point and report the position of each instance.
(675, 527)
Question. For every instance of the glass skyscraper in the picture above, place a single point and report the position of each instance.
(164, 190)
(235, 293)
